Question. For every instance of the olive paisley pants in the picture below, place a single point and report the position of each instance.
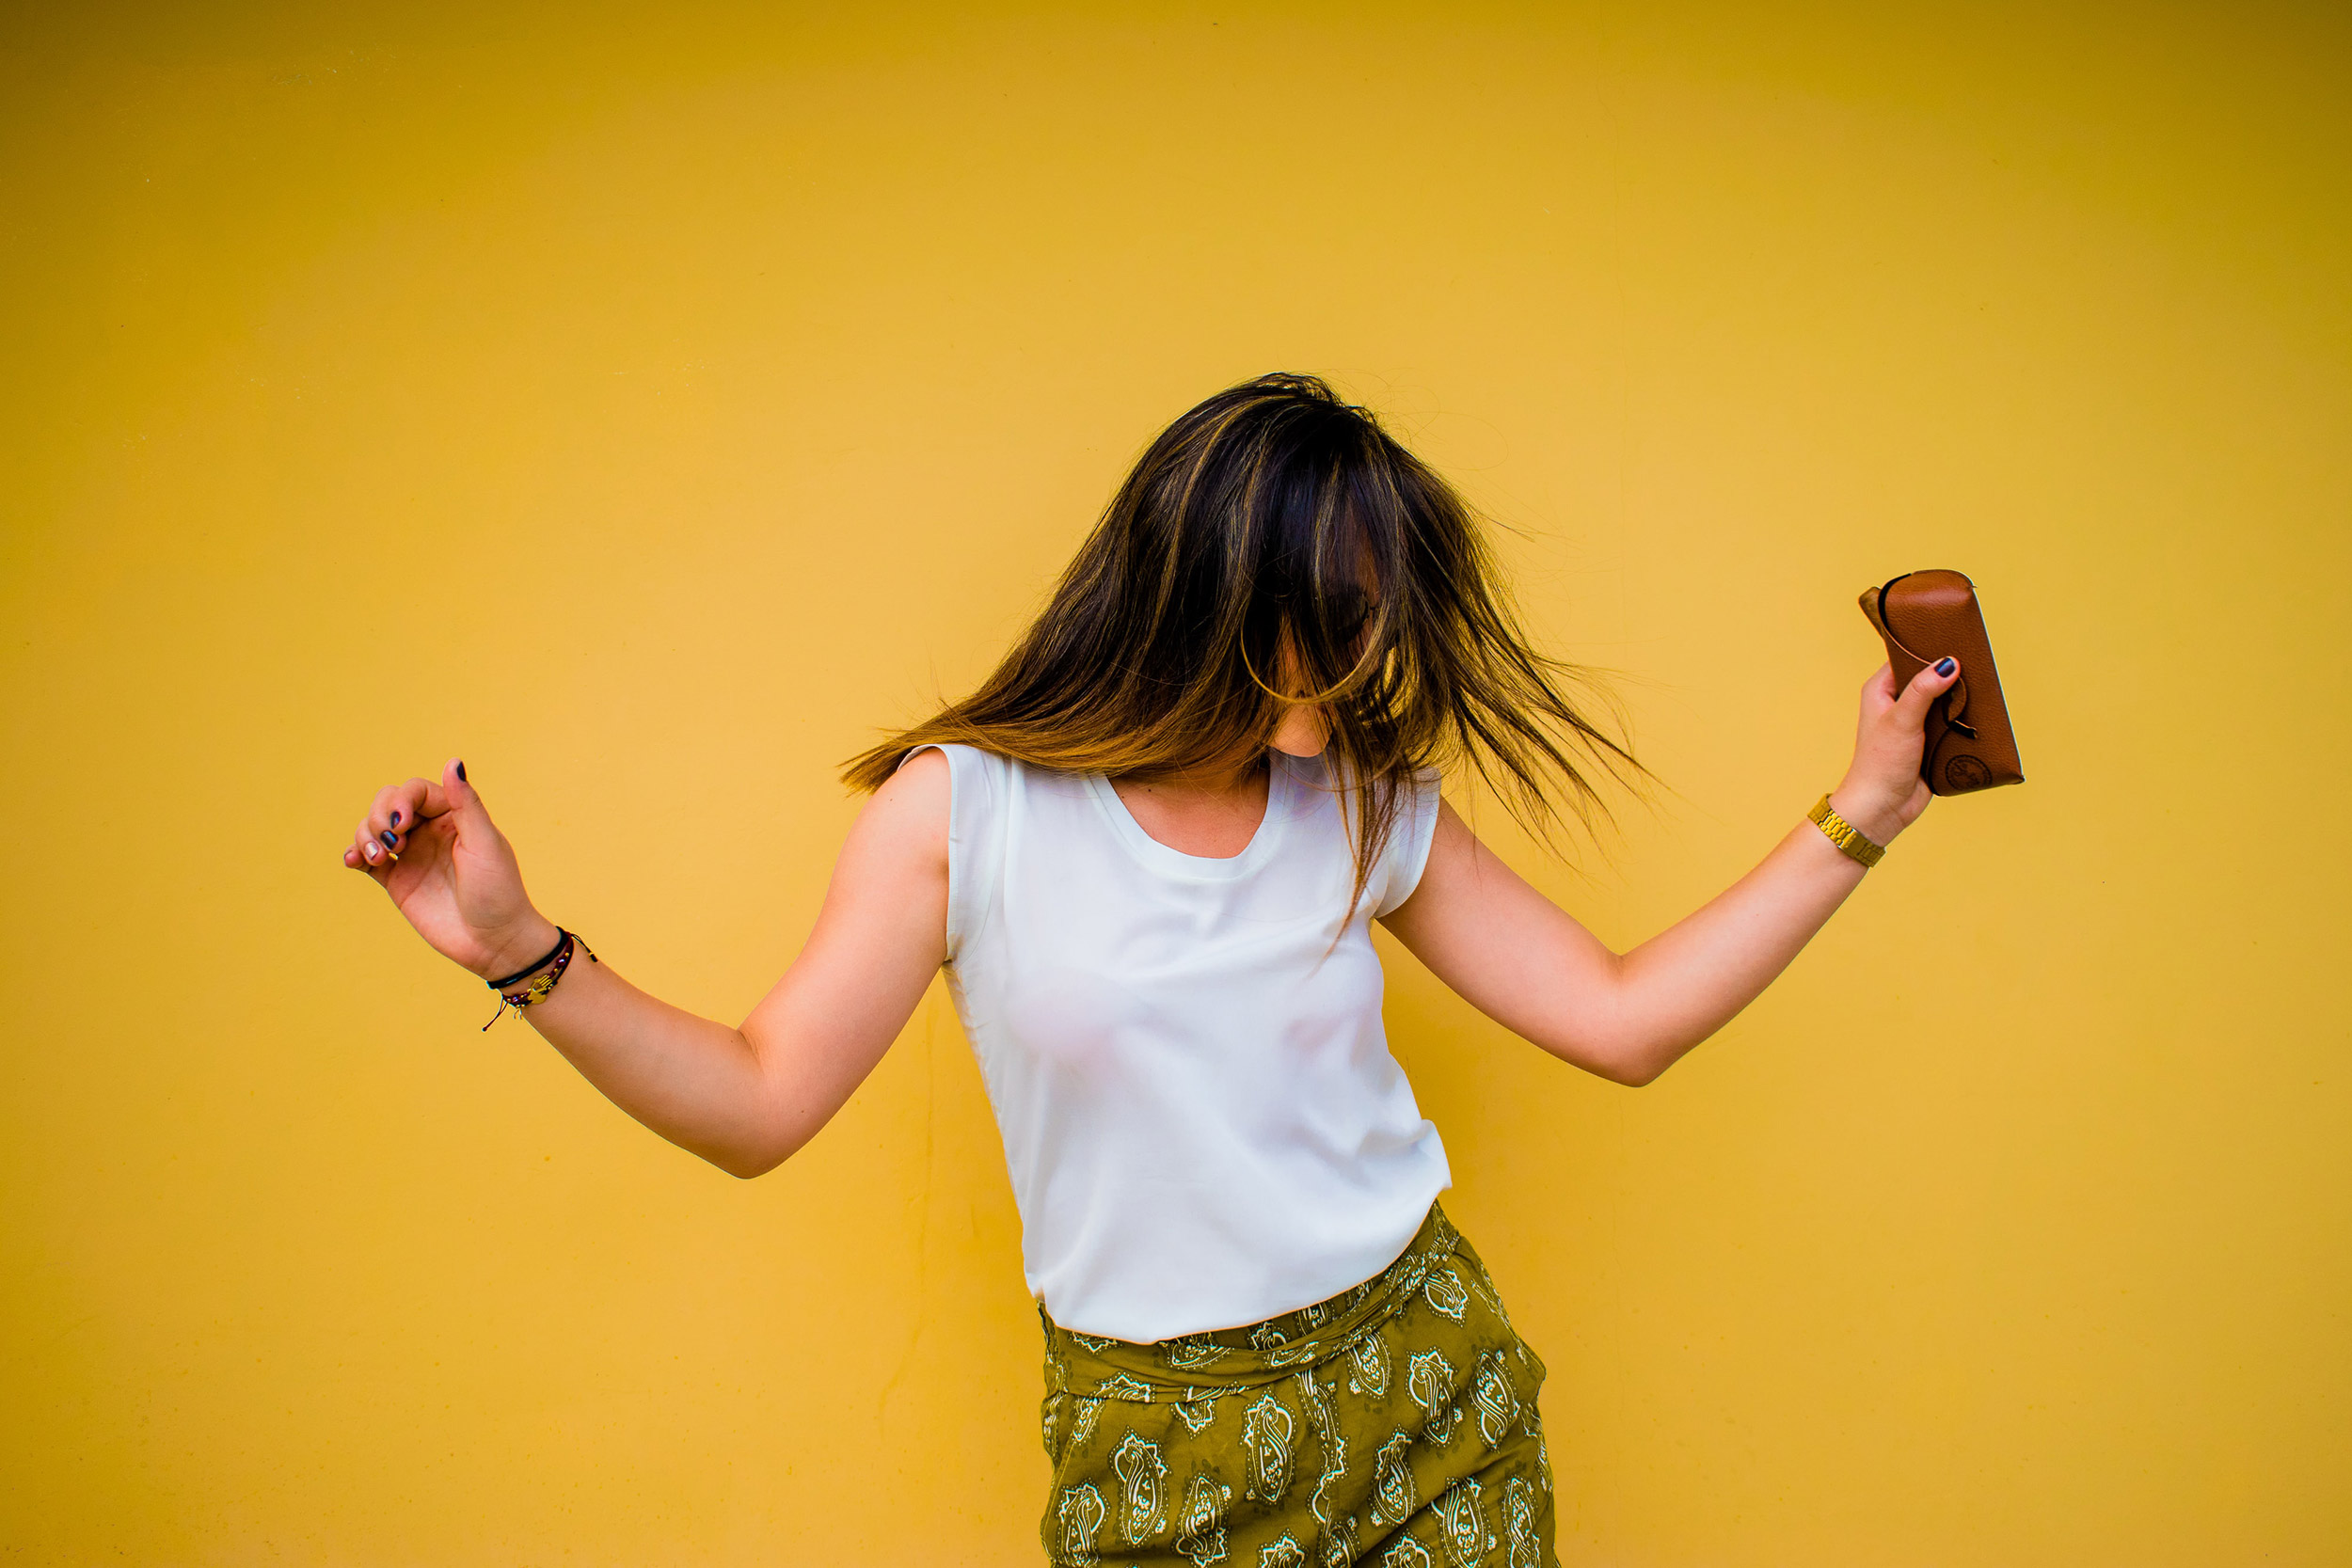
(1393, 1425)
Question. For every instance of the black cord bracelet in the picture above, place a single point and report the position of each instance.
(561, 936)
(543, 984)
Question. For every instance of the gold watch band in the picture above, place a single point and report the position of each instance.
(1845, 835)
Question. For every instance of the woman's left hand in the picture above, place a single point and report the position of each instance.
(1883, 792)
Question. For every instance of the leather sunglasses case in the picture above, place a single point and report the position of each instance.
(1924, 616)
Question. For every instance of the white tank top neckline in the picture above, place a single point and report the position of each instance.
(1167, 859)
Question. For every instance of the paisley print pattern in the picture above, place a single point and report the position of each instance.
(1266, 1443)
(1519, 1524)
(1197, 1415)
(1392, 1426)
(1392, 1499)
(1405, 1552)
(1079, 1512)
(1447, 1293)
(1367, 1365)
(1330, 1436)
(1339, 1545)
(1429, 1384)
(1142, 1505)
(1196, 1350)
(1458, 1509)
(1498, 1402)
(1200, 1529)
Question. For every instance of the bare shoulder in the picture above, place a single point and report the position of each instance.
(925, 772)
(906, 820)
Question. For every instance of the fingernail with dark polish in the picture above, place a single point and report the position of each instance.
(390, 841)
(1943, 667)
(395, 819)
(461, 771)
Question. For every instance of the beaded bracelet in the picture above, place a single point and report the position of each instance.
(542, 984)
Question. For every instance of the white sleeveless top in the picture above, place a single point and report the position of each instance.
(1186, 1055)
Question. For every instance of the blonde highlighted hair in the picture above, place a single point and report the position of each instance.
(1275, 528)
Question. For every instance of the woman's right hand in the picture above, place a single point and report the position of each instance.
(452, 873)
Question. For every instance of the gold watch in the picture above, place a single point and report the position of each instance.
(1845, 835)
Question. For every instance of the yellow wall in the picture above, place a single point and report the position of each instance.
(648, 405)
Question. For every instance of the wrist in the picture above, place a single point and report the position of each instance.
(530, 941)
(1867, 812)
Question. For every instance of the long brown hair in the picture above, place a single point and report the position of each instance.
(1242, 546)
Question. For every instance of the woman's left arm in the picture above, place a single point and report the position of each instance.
(1517, 958)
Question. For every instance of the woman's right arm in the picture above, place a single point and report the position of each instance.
(745, 1098)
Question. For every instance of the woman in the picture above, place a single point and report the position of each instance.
(1148, 851)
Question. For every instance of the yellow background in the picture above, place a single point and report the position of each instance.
(650, 405)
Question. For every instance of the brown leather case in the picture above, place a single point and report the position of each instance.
(1924, 616)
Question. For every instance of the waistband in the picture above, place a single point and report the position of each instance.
(1174, 1372)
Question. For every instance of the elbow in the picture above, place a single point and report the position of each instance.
(1633, 1074)
(745, 1164)
(1630, 1064)
(1640, 1063)
(753, 1145)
